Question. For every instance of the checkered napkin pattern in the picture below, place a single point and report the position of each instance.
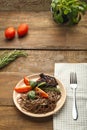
(63, 120)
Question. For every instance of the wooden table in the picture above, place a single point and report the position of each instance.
(46, 44)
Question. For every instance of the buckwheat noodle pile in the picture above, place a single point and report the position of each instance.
(39, 105)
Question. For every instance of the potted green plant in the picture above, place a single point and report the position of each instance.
(68, 11)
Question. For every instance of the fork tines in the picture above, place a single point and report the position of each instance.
(73, 78)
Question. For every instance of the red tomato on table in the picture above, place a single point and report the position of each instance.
(10, 33)
(22, 30)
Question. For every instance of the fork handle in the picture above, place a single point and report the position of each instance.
(74, 109)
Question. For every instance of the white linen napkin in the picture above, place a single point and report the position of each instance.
(63, 120)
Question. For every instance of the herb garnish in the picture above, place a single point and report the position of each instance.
(8, 57)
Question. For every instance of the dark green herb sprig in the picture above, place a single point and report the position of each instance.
(8, 57)
(51, 89)
(69, 11)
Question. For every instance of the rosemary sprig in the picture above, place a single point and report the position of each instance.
(7, 58)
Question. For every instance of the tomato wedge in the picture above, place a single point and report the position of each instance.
(23, 89)
(41, 92)
(26, 80)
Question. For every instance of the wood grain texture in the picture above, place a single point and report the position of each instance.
(12, 119)
(44, 33)
(25, 5)
(7, 84)
(36, 62)
(43, 61)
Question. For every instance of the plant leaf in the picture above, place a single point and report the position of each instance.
(53, 5)
(68, 9)
(60, 18)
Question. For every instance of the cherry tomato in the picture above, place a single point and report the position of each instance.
(10, 33)
(22, 30)
(22, 89)
(26, 80)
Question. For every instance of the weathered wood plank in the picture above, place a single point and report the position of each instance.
(12, 119)
(7, 84)
(36, 62)
(45, 60)
(44, 32)
(25, 5)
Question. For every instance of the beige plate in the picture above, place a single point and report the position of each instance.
(59, 103)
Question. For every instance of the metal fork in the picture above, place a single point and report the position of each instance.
(73, 85)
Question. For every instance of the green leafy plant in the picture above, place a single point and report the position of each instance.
(68, 11)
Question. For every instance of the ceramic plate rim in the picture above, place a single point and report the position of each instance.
(59, 105)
